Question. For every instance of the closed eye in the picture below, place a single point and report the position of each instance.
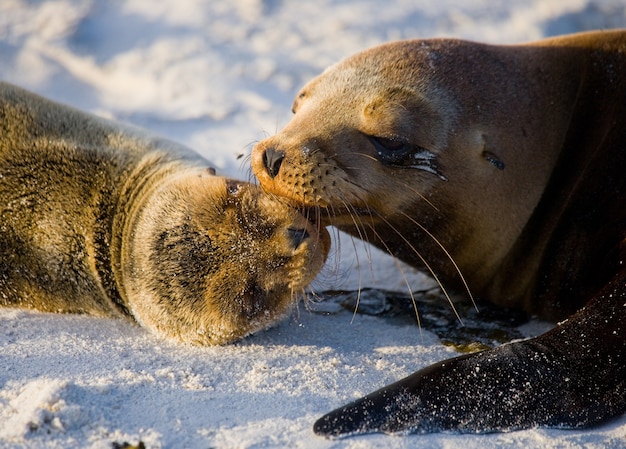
(391, 151)
(397, 152)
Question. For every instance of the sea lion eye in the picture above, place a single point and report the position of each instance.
(402, 154)
(233, 187)
(390, 151)
(297, 236)
(300, 98)
(396, 152)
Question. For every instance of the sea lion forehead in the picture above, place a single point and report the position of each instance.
(379, 72)
(395, 60)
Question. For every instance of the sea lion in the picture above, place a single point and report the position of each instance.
(501, 169)
(99, 218)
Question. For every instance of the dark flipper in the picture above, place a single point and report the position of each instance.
(573, 376)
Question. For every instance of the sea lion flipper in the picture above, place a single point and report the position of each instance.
(570, 377)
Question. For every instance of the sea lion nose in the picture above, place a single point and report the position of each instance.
(273, 159)
(297, 236)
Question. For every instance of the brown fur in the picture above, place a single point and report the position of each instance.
(502, 124)
(499, 166)
(99, 218)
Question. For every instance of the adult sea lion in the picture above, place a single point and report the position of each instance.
(502, 169)
(99, 218)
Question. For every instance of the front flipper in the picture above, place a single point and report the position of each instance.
(573, 376)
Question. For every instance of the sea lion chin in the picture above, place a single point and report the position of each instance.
(500, 169)
(99, 218)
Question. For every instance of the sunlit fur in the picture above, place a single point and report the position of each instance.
(499, 170)
(496, 140)
(99, 218)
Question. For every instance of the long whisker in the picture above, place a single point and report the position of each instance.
(420, 195)
(405, 279)
(360, 227)
(448, 255)
(363, 237)
(428, 267)
(407, 186)
(361, 234)
(244, 157)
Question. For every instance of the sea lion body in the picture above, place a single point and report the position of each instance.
(102, 219)
(500, 169)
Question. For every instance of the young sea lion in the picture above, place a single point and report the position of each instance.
(99, 218)
(500, 169)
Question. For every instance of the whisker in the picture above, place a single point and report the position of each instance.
(244, 160)
(420, 195)
(369, 156)
(406, 281)
(448, 255)
(362, 237)
(407, 186)
(428, 267)
(360, 227)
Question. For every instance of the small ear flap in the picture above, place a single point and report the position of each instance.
(494, 160)
(296, 103)
(372, 107)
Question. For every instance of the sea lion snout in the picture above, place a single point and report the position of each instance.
(272, 160)
(275, 158)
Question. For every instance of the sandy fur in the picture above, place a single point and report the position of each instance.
(99, 218)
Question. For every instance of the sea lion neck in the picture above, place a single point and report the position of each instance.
(590, 158)
(140, 179)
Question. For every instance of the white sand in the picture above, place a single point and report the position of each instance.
(218, 75)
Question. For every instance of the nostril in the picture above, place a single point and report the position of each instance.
(297, 236)
(273, 159)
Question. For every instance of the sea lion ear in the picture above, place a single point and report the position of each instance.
(372, 107)
(299, 98)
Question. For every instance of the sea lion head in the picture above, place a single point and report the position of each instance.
(210, 259)
(414, 146)
(355, 125)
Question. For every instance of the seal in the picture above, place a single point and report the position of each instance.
(99, 218)
(499, 169)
